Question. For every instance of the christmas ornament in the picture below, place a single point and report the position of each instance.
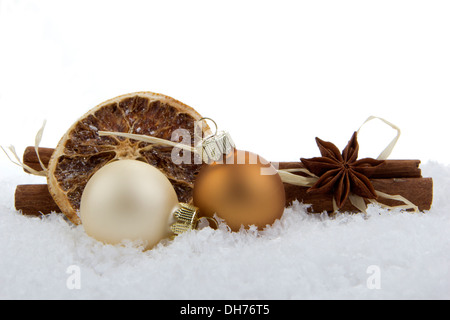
(240, 187)
(240, 193)
(132, 200)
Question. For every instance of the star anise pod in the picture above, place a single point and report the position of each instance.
(341, 174)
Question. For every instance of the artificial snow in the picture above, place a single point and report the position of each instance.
(381, 255)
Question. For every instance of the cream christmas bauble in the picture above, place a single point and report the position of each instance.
(128, 200)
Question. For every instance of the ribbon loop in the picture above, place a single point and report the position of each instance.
(390, 147)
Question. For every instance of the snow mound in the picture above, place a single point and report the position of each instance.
(381, 255)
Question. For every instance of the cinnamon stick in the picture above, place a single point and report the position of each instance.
(34, 199)
(417, 190)
(389, 169)
(402, 177)
(30, 157)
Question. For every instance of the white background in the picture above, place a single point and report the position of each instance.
(275, 74)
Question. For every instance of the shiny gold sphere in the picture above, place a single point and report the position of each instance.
(243, 189)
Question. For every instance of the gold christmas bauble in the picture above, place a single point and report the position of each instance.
(243, 189)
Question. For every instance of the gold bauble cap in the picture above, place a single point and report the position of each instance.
(186, 218)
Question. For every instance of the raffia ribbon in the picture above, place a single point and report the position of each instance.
(37, 142)
(288, 177)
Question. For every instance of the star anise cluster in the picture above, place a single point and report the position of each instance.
(341, 173)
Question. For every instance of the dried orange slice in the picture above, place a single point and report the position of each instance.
(82, 151)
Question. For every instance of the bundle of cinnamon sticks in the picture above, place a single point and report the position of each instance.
(395, 177)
